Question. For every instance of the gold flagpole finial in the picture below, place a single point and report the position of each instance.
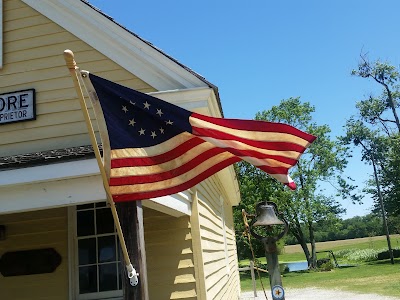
(69, 59)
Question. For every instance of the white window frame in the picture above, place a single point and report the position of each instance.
(74, 268)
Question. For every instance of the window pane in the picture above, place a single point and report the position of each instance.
(104, 221)
(87, 279)
(108, 277)
(84, 206)
(107, 249)
(97, 250)
(87, 251)
(85, 223)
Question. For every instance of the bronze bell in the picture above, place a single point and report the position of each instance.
(266, 215)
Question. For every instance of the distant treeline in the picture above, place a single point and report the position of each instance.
(356, 227)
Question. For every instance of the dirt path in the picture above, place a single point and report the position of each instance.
(316, 293)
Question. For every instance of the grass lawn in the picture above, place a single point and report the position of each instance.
(380, 277)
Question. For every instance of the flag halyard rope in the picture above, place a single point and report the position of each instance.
(246, 232)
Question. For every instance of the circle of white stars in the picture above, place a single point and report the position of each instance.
(142, 131)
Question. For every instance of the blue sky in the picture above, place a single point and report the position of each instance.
(260, 52)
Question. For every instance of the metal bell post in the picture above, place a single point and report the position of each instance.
(266, 215)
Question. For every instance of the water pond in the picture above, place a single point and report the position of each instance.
(294, 266)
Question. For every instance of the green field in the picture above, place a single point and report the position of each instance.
(380, 277)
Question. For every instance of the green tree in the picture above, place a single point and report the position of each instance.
(390, 179)
(380, 110)
(374, 150)
(255, 186)
(325, 160)
(377, 131)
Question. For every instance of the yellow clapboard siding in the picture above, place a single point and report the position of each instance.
(18, 13)
(61, 39)
(28, 21)
(214, 256)
(42, 75)
(30, 134)
(211, 221)
(39, 75)
(117, 76)
(186, 278)
(61, 94)
(210, 206)
(27, 216)
(175, 223)
(218, 285)
(58, 106)
(37, 227)
(38, 85)
(33, 58)
(136, 84)
(208, 233)
(177, 261)
(161, 292)
(35, 241)
(54, 290)
(49, 44)
(11, 4)
(212, 244)
(183, 294)
(169, 255)
(34, 31)
(36, 230)
(181, 276)
(170, 252)
(34, 65)
(205, 212)
(216, 260)
(179, 235)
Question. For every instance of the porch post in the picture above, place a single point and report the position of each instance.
(131, 219)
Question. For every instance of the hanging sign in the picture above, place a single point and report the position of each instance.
(17, 106)
(29, 262)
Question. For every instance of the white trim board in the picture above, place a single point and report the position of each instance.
(69, 183)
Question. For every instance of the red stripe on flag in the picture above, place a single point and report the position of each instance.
(157, 159)
(176, 189)
(262, 156)
(137, 179)
(148, 161)
(278, 146)
(256, 125)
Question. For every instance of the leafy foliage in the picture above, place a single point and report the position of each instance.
(377, 131)
(325, 160)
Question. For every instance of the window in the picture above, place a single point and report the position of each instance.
(98, 271)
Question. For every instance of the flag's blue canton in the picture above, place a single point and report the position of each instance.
(136, 120)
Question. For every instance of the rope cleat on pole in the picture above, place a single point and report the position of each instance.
(132, 275)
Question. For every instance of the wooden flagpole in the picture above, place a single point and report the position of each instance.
(133, 214)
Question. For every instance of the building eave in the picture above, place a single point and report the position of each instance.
(124, 47)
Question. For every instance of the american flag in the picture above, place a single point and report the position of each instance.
(156, 148)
